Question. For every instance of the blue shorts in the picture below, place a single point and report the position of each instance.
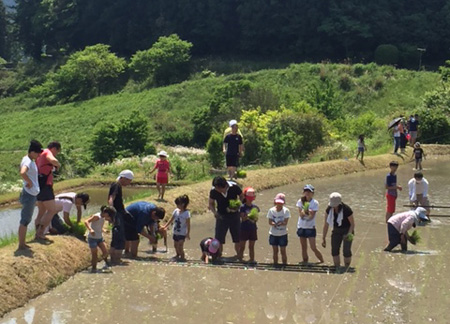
(93, 242)
(28, 203)
(306, 232)
(178, 238)
(278, 240)
(360, 149)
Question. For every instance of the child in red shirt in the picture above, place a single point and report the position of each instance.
(162, 176)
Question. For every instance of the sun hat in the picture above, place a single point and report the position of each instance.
(127, 174)
(232, 122)
(214, 245)
(163, 153)
(308, 187)
(280, 198)
(335, 199)
(421, 214)
(417, 144)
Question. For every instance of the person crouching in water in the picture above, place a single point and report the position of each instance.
(399, 225)
(210, 249)
(94, 224)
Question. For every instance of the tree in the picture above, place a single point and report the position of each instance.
(87, 74)
(167, 61)
(3, 31)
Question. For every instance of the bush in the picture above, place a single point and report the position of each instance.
(166, 62)
(386, 55)
(345, 82)
(87, 74)
(434, 127)
(214, 148)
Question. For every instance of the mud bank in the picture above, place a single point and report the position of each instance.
(24, 276)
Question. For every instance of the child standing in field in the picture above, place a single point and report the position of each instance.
(181, 217)
(306, 226)
(278, 218)
(391, 189)
(162, 176)
(361, 147)
(94, 224)
(248, 224)
(418, 154)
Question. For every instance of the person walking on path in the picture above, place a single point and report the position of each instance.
(391, 189)
(418, 191)
(46, 163)
(418, 154)
(227, 217)
(403, 132)
(306, 225)
(361, 147)
(181, 219)
(94, 225)
(399, 225)
(233, 148)
(162, 176)
(138, 217)
(278, 217)
(249, 230)
(413, 126)
(30, 190)
(115, 199)
(397, 135)
(340, 217)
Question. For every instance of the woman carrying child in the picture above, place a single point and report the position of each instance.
(181, 219)
(249, 216)
(306, 226)
(94, 224)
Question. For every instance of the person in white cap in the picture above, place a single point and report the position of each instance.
(115, 199)
(399, 225)
(162, 176)
(340, 217)
(232, 148)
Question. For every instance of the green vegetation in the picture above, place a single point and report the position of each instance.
(253, 215)
(234, 204)
(414, 238)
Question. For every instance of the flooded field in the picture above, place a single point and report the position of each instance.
(385, 287)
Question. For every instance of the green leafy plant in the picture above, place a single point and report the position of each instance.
(241, 174)
(253, 215)
(350, 237)
(414, 238)
(234, 204)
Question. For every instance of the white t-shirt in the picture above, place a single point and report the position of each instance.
(97, 226)
(180, 221)
(32, 173)
(308, 223)
(278, 216)
(63, 204)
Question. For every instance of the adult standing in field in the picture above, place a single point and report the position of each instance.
(340, 217)
(232, 148)
(403, 131)
(391, 189)
(227, 218)
(46, 163)
(115, 199)
(413, 125)
(396, 130)
(30, 190)
(138, 217)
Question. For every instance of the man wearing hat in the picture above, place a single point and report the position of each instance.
(399, 225)
(115, 199)
(138, 217)
(30, 190)
(233, 148)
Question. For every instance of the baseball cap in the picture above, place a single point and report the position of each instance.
(128, 174)
(280, 198)
(335, 199)
(232, 122)
(214, 246)
(308, 187)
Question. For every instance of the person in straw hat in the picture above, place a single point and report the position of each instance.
(162, 176)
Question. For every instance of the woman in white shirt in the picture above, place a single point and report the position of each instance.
(65, 201)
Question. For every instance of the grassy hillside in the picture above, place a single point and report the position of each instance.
(359, 88)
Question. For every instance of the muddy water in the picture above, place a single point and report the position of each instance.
(385, 288)
(10, 217)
